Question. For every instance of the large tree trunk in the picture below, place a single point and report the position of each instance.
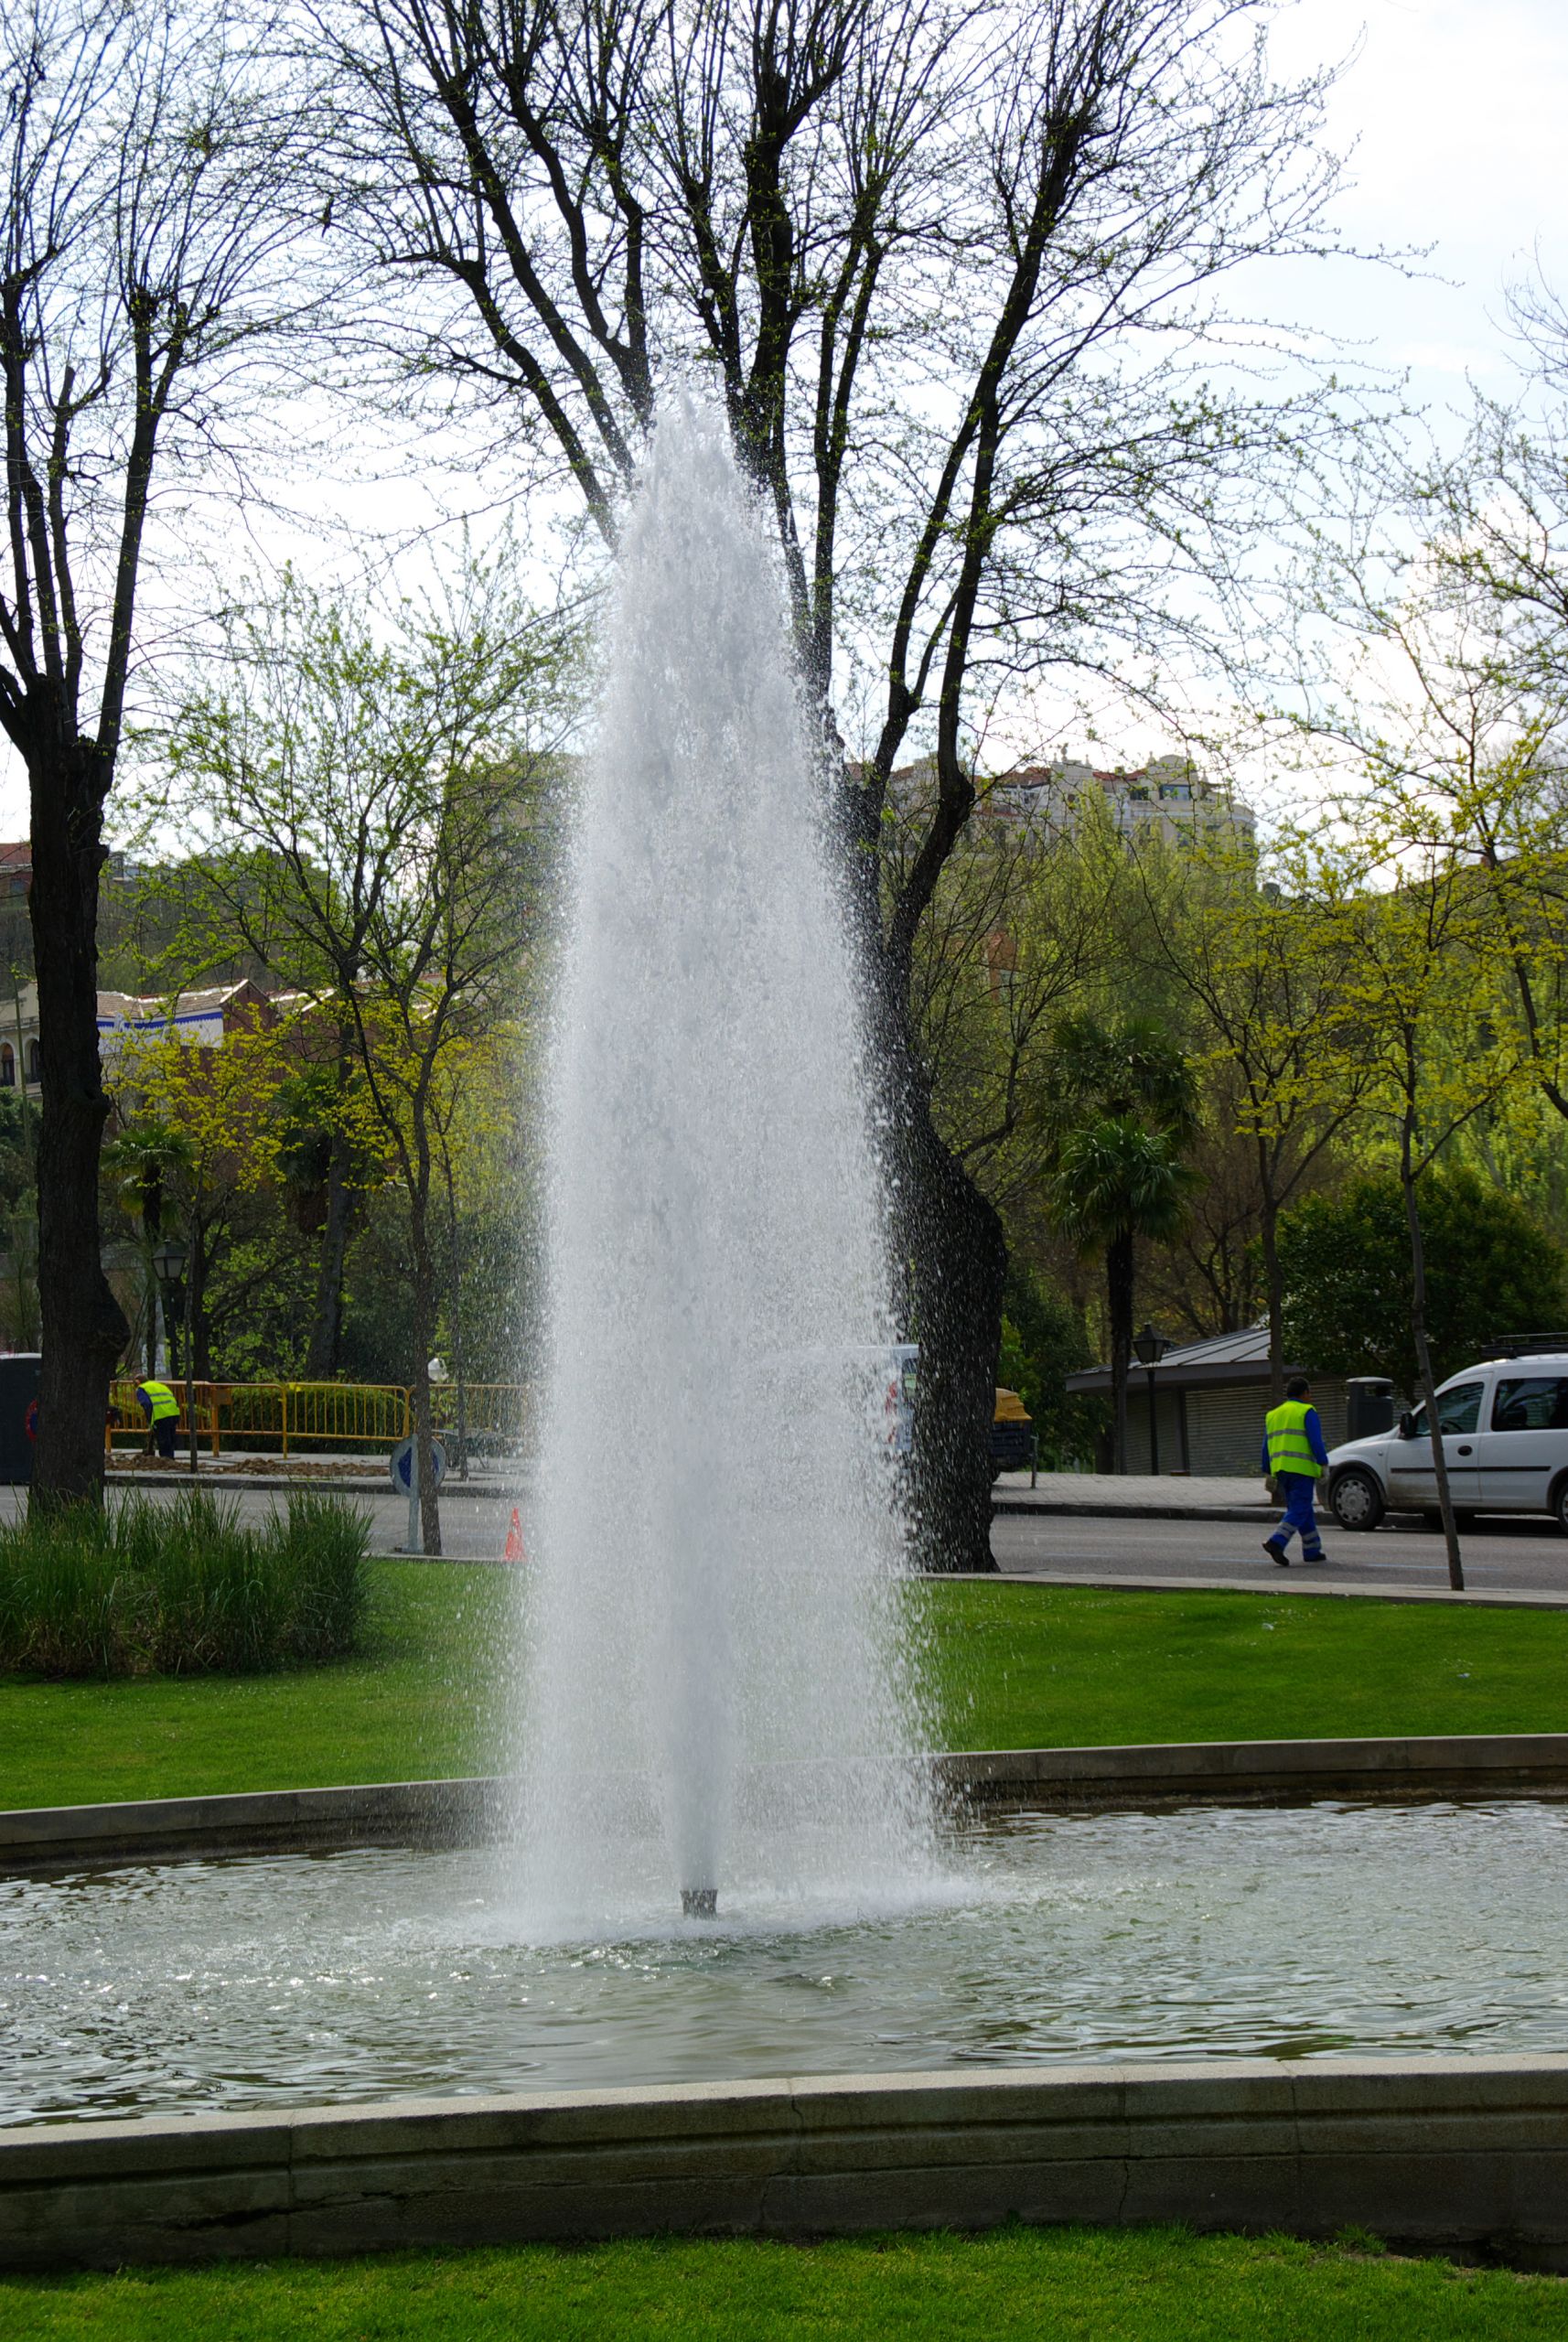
(949, 1249)
(1273, 1280)
(152, 1229)
(419, 1393)
(83, 1329)
(1119, 1297)
(955, 1256)
(192, 1288)
(200, 1321)
(1424, 1376)
(145, 1332)
(326, 1323)
(460, 1373)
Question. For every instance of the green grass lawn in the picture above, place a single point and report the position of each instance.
(1034, 1667)
(1012, 1666)
(411, 1707)
(1050, 2285)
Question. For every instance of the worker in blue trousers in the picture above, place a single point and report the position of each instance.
(1294, 1459)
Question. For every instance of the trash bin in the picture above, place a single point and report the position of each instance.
(1012, 1434)
(18, 1415)
(1369, 1406)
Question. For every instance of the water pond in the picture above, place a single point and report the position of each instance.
(1313, 1931)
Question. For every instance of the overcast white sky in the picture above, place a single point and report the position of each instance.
(1453, 113)
(1457, 110)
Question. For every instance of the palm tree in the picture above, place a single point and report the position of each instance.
(1119, 1111)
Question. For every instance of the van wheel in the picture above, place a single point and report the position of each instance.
(1559, 1504)
(1355, 1501)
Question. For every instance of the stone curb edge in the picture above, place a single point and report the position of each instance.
(1268, 1583)
(1019, 1503)
(277, 1483)
(466, 1812)
(1430, 2152)
(1016, 1502)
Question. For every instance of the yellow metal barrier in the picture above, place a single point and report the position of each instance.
(344, 1414)
(248, 1412)
(492, 1411)
(278, 1416)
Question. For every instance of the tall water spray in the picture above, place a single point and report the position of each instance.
(716, 1700)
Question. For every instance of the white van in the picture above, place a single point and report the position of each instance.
(1505, 1443)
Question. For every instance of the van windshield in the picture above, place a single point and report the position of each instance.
(1457, 1410)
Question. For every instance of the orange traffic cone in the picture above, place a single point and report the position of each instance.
(516, 1550)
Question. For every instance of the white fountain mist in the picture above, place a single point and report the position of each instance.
(717, 1704)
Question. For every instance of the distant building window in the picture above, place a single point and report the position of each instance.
(35, 1062)
(1178, 788)
(8, 1066)
(1142, 794)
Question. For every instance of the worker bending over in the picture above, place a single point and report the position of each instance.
(161, 1410)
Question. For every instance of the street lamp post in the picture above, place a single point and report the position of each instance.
(169, 1265)
(1148, 1349)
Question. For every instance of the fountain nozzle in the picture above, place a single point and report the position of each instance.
(699, 1902)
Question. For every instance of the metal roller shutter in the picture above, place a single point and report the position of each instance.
(1225, 1429)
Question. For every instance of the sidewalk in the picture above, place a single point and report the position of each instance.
(1134, 1496)
(1099, 1495)
(363, 1474)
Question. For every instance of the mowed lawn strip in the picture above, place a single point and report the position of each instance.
(411, 1706)
(1037, 1667)
(1069, 2285)
(1009, 1667)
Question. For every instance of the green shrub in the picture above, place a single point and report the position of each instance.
(181, 1588)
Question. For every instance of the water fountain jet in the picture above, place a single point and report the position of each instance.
(716, 1687)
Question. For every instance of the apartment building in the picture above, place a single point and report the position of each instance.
(1166, 796)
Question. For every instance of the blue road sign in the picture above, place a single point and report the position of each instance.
(401, 1463)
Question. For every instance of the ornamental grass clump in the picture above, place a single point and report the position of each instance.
(182, 1588)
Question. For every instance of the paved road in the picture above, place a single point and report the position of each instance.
(473, 1528)
(1499, 1555)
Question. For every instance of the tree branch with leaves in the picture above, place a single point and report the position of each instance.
(953, 274)
(377, 818)
(143, 267)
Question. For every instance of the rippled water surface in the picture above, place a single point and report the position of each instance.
(1314, 1932)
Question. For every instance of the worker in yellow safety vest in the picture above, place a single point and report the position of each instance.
(1294, 1460)
(161, 1410)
